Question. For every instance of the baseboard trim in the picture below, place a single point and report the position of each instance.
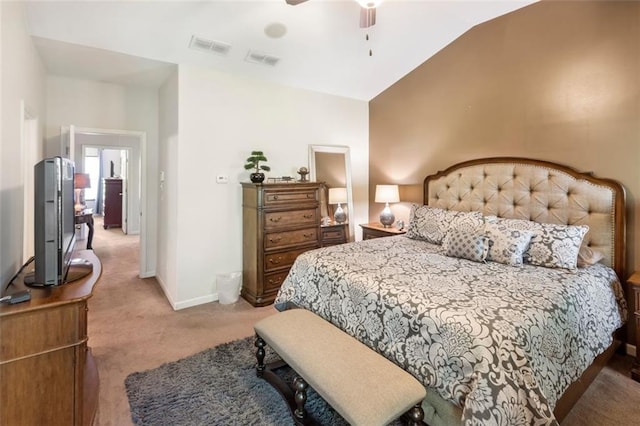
(195, 301)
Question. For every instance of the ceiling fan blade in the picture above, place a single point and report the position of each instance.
(295, 2)
(367, 17)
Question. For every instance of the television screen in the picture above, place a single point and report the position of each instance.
(54, 227)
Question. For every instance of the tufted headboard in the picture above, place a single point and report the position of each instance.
(540, 191)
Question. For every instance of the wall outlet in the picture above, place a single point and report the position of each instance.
(222, 179)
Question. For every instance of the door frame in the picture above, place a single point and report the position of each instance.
(30, 153)
(144, 271)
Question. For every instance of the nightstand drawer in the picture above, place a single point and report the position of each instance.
(274, 220)
(376, 230)
(333, 234)
(283, 239)
(634, 283)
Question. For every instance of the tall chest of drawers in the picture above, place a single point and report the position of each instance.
(280, 221)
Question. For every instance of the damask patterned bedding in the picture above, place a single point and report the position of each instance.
(502, 342)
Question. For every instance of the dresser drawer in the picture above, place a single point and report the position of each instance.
(274, 281)
(287, 238)
(283, 259)
(274, 220)
(276, 198)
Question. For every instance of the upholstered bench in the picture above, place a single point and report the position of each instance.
(360, 384)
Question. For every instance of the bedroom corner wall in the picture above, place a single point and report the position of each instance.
(22, 78)
(557, 81)
(222, 118)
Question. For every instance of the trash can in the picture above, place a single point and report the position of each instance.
(229, 287)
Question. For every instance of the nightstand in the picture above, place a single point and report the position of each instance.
(634, 282)
(331, 235)
(377, 230)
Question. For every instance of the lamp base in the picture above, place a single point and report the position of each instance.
(339, 215)
(386, 217)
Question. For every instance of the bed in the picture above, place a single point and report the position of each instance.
(494, 317)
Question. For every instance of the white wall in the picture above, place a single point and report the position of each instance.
(221, 119)
(168, 196)
(22, 78)
(93, 104)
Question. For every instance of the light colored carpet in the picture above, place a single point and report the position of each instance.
(132, 328)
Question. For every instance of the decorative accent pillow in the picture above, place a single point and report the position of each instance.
(429, 223)
(588, 256)
(507, 245)
(466, 245)
(469, 222)
(552, 245)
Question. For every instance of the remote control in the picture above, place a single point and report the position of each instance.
(20, 296)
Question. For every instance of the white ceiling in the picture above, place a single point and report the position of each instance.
(323, 49)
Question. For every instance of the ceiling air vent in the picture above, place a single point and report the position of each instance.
(262, 58)
(211, 46)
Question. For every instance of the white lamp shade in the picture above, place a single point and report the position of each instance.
(337, 195)
(387, 194)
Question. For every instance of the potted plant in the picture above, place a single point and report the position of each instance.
(253, 163)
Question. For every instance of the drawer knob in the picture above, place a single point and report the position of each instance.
(309, 195)
(307, 216)
(275, 261)
(307, 235)
(275, 197)
(275, 239)
(275, 219)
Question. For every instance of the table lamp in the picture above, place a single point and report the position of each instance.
(338, 196)
(80, 182)
(387, 194)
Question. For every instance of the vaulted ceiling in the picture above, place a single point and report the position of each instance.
(317, 45)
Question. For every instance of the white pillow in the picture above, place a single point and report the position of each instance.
(507, 245)
(466, 245)
(552, 245)
(429, 223)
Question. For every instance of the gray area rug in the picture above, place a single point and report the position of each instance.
(215, 387)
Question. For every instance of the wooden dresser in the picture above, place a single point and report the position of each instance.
(280, 221)
(47, 373)
(112, 207)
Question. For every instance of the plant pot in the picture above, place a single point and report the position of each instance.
(256, 177)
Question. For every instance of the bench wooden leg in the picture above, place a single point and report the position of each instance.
(260, 353)
(415, 416)
(301, 397)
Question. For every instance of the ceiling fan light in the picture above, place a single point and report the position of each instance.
(369, 4)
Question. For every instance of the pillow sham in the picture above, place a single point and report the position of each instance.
(429, 223)
(552, 245)
(466, 245)
(588, 256)
(507, 245)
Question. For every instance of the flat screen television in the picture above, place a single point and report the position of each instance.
(54, 222)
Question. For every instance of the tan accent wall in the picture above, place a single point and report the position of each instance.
(557, 81)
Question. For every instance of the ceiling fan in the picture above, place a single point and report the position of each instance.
(367, 12)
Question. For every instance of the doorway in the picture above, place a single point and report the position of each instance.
(130, 147)
(30, 154)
